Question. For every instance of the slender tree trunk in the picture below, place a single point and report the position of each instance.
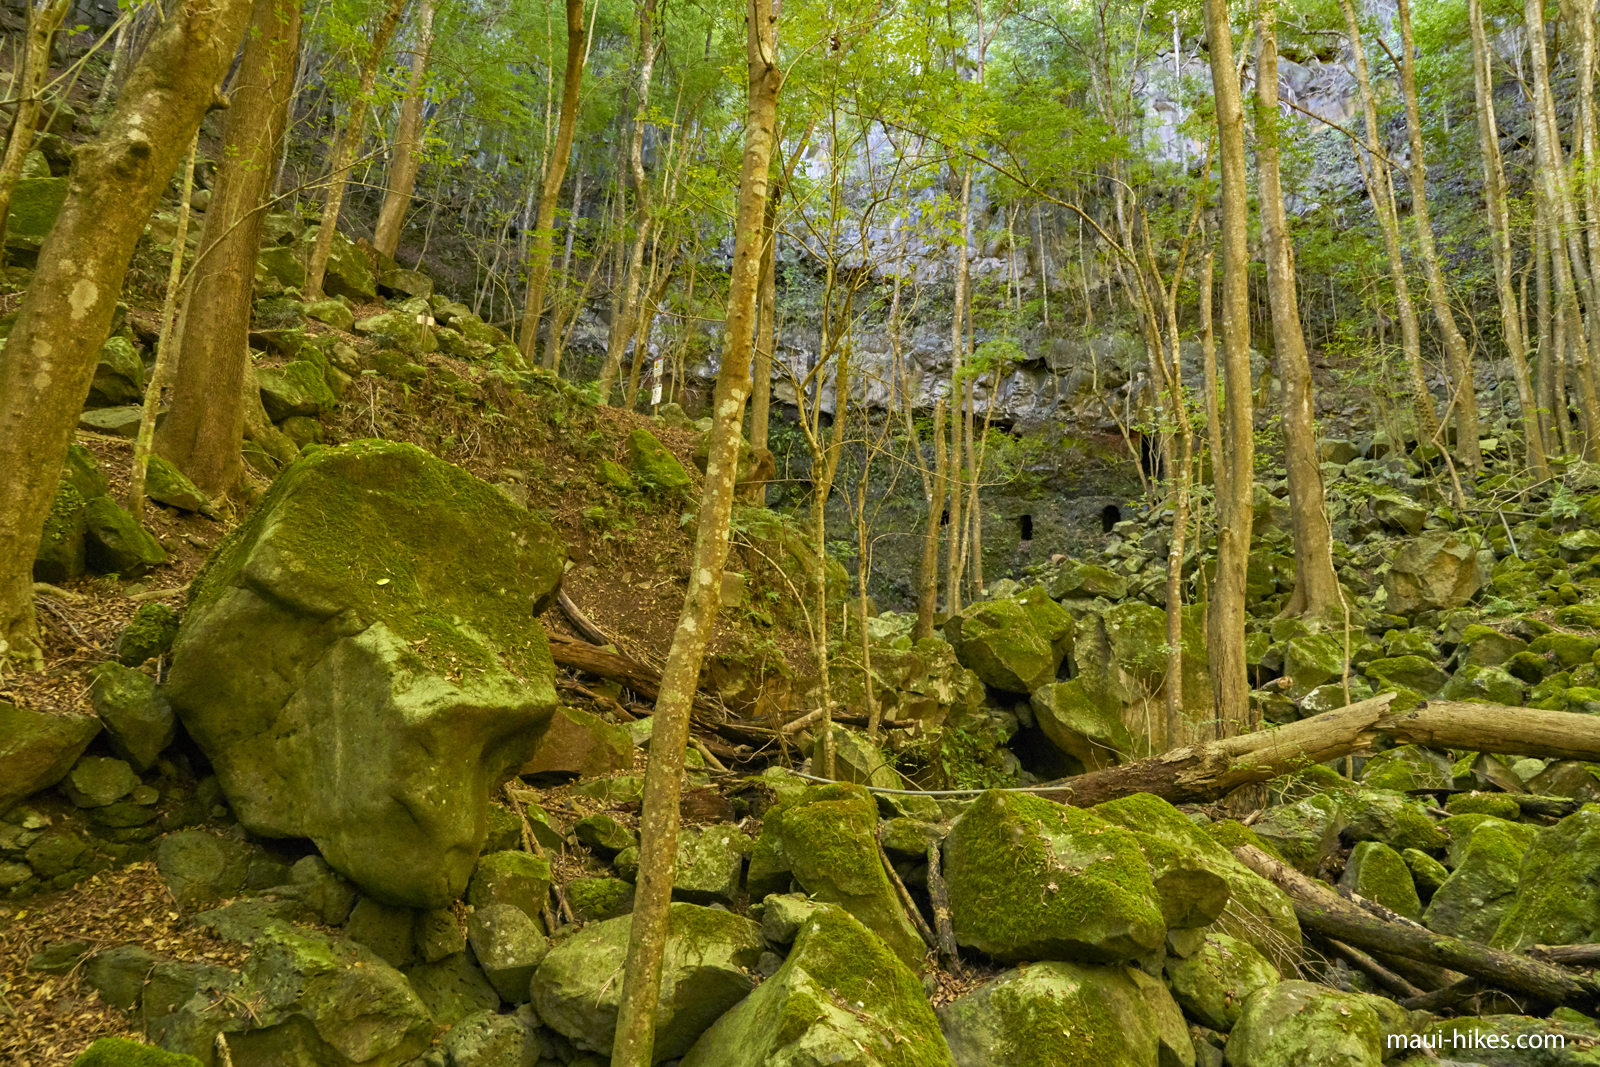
(407, 140)
(1380, 189)
(928, 573)
(1457, 355)
(1229, 679)
(165, 363)
(1316, 588)
(658, 846)
(625, 306)
(1494, 195)
(766, 334)
(54, 345)
(1208, 355)
(346, 147)
(204, 428)
(1544, 380)
(555, 171)
(43, 20)
(954, 548)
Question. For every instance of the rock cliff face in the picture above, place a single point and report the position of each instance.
(368, 692)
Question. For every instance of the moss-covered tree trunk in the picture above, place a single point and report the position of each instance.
(954, 547)
(54, 345)
(1494, 195)
(1316, 586)
(345, 147)
(766, 335)
(658, 844)
(555, 171)
(407, 140)
(1380, 189)
(204, 427)
(1236, 470)
(43, 21)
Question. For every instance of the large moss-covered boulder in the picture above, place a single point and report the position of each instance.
(399, 330)
(653, 465)
(1398, 820)
(1060, 1014)
(842, 997)
(1436, 571)
(38, 749)
(1304, 833)
(827, 840)
(1032, 880)
(1472, 901)
(1257, 912)
(1558, 893)
(121, 1052)
(349, 272)
(577, 990)
(1407, 767)
(360, 662)
(1213, 983)
(1077, 580)
(297, 388)
(1121, 664)
(305, 998)
(1302, 1023)
(1378, 873)
(1090, 731)
(1012, 645)
(115, 544)
(135, 712)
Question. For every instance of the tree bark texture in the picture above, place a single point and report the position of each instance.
(555, 171)
(50, 356)
(345, 148)
(928, 572)
(1316, 586)
(1236, 472)
(766, 332)
(408, 139)
(658, 845)
(204, 427)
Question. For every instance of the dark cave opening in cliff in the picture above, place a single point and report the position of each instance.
(1040, 757)
(1025, 528)
(1110, 515)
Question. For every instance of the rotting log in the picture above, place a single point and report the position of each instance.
(1209, 771)
(642, 679)
(1324, 912)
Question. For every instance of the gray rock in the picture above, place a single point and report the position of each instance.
(710, 860)
(488, 1040)
(388, 931)
(578, 988)
(1295, 1023)
(1436, 571)
(312, 880)
(118, 975)
(603, 835)
(509, 947)
(96, 781)
(114, 422)
(245, 921)
(438, 934)
(453, 988)
(115, 544)
(520, 879)
(367, 683)
(170, 985)
(138, 720)
(201, 868)
(61, 555)
(56, 853)
(37, 750)
(1212, 984)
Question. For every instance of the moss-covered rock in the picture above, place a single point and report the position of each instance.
(1312, 660)
(1034, 880)
(1460, 828)
(608, 473)
(150, 633)
(121, 1052)
(115, 544)
(1088, 730)
(1485, 685)
(61, 553)
(38, 749)
(137, 717)
(841, 997)
(1396, 819)
(332, 312)
(1436, 571)
(1010, 645)
(1500, 805)
(827, 840)
(1079, 580)
(119, 376)
(1558, 893)
(518, 879)
(1213, 983)
(1408, 767)
(297, 388)
(1303, 833)
(1378, 872)
(1482, 646)
(1566, 650)
(577, 990)
(1474, 899)
(653, 465)
(1231, 833)
(356, 661)
(1299, 1023)
(509, 947)
(166, 484)
(1060, 1014)
(1427, 873)
(1413, 672)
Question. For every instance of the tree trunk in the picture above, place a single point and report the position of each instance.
(1494, 195)
(204, 428)
(1381, 191)
(408, 139)
(345, 148)
(1322, 911)
(766, 335)
(1316, 586)
(658, 845)
(954, 540)
(928, 573)
(54, 345)
(1229, 680)
(42, 24)
(555, 171)
(625, 305)
(1457, 355)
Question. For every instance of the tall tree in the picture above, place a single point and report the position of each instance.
(1380, 189)
(203, 429)
(44, 18)
(680, 678)
(1494, 195)
(54, 345)
(1458, 357)
(766, 333)
(554, 172)
(1235, 471)
(345, 147)
(407, 139)
(1316, 586)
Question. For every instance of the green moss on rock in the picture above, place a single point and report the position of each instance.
(1378, 872)
(653, 464)
(1212, 984)
(1558, 895)
(1500, 805)
(121, 1052)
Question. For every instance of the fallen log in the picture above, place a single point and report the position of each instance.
(644, 680)
(1324, 912)
(1207, 772)
(1389, 980)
